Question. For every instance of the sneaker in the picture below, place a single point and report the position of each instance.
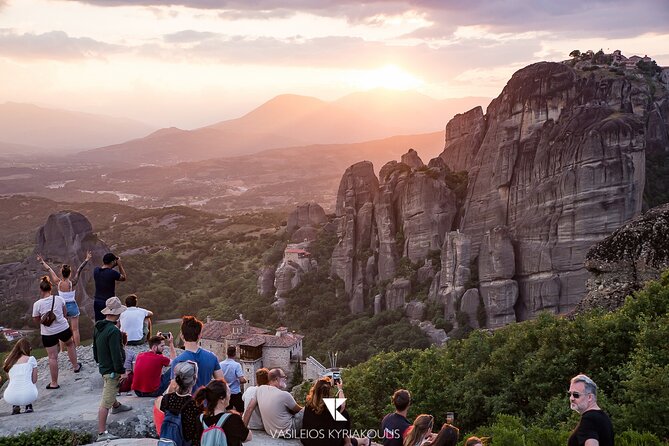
(29, 408)
(121, 408)
(16, 410)
(104, 436)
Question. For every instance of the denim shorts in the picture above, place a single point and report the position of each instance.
(72, 309)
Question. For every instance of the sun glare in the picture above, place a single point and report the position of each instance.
(389, 77)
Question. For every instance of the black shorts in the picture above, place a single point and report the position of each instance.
(51, 340)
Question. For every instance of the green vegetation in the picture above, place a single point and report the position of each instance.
(656, 190)
(523, 370)
(47, 437)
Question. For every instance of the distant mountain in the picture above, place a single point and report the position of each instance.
(50, 129)
(292, 120)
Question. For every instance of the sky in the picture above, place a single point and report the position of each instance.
(192, 63)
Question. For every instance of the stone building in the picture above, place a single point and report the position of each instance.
(256, 347)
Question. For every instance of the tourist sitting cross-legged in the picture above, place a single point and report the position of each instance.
(148, 377)
(180, 402)
(217, 425)
(22, 371)
(318, 424)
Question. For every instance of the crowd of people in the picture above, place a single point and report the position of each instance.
(201, 401)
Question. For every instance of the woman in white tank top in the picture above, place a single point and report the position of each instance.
(66, 290)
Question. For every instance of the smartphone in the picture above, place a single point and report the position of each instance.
(450, 417)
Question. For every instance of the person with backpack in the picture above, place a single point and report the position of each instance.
(180, 414)
(216, 426)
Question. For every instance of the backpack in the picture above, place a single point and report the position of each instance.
(214, 435)
(170, 431)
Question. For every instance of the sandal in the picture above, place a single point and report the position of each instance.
(50, 387)
(78, 368)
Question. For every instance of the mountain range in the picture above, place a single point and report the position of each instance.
(291, 120)
(31, 129)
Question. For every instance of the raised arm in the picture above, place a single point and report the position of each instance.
(121, 270)
(75, 279)
(46, 266)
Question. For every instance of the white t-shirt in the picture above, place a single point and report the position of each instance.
(132, 322)
(275, 405)
(255, 422)
(43, 306)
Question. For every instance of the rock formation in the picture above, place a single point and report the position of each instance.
(621, 263)
(555, 165)
(304, 220)
(65, 238)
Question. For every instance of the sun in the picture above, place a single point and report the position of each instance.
(389, 77)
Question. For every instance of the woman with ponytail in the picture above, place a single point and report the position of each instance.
(49, 312)
(212, 401)
(66, 291)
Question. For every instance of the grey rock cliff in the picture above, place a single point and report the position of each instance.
(64, 238)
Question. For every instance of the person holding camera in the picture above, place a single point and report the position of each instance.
(148, 377)
(105, 282)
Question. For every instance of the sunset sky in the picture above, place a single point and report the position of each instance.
(192, 63)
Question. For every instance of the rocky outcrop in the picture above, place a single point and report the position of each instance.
(631, 256)
(415, 310)
(469, 305)
(306, 215)
(557, 163)
(64, 238)
(397, 293)
(265, 283)
(355, 216)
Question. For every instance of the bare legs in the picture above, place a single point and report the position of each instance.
(74, 325)
(72, 353)
(52, 352)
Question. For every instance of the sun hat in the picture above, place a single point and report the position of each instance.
(113, 306)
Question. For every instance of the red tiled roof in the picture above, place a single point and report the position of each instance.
(219, 330)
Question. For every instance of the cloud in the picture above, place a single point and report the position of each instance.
(55, 45)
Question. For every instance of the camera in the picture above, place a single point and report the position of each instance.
(450, 417)
(166, 334)
(336, 377)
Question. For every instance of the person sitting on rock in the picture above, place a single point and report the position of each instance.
(180, 401)
(420, 432)
(129, 356)
(394, 425)
(66, 290)
(136, 321)
(278, 409)
(447, 436)
(108, 353)
(148, 377)
(317, 417)
(252, 418)
(207, 363)
(22, 371)
(105, 282)
(54, 329)
(212, 401)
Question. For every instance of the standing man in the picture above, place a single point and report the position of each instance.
(105, 282)
(207, 362)
(234, 376)
(136, 322)
(594, 428)
(108, 353)
(149, 379)
(395, 424)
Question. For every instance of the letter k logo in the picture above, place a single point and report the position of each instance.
(332, 404)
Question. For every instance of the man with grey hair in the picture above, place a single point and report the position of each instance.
(594, 428)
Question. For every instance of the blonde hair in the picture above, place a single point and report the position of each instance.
(421, 426)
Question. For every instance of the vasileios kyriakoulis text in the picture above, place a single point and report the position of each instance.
(320, 434)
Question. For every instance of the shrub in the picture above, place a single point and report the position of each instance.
(47, 437)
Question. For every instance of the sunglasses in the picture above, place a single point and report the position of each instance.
(576, 395)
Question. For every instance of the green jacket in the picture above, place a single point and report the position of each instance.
(107, 348)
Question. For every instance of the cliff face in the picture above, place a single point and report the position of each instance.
(555, 165)
(65, 238)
